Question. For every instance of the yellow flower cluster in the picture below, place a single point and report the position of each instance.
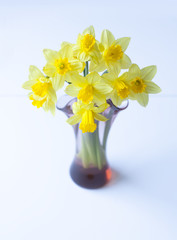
(92, 90)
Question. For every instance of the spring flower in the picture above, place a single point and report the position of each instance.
(112, 52)
(86, 48)
(119, 84)
(60, 64)
(87, 114)
(141, 83)
(42, 92)
(88, 88)
(91, 90)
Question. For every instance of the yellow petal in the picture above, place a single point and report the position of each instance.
(134, 71)
(49, 106)
(76, 65)
(123, 42)
(76, 50)
(107, 38)
(28, 84)
(102, 88)
(74, 119)
(124, 77)
(100, 46)
(90, 30)
(148, 73)
(152, 87)
(50, 70)
(77, 106)
(34, 73)
(58, 82)
(93, 77)
(95, 55)
(143, 99)
(64, 44)
(77, 80)
(101, 108)
(99, 98)
(109, 78)
(132, 95)
(115, 98)
(79, 38)
(100, 117)
(97, 67)
(114, 67)
(125, 62)
(52, 94)
(52, 109)
(50, 55)
(72, 90)
(83, 57)
(66, 52)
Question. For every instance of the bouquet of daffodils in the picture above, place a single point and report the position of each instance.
(92, 90)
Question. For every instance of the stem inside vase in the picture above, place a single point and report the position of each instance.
(91, 153)
(90, 168)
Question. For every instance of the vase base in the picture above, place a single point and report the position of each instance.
(90, 178)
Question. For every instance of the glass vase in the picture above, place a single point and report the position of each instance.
(90, 168)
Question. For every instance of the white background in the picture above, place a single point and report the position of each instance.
(38, 200)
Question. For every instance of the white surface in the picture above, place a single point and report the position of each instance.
(38, 200)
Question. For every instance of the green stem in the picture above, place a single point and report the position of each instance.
(92, 153)
(84, 154)
(86, 69)
(106, 71)
(90, 145)
(98, 150)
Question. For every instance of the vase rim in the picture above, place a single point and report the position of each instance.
(65, 100)
(117, 108)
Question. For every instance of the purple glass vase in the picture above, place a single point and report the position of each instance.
(90, 168)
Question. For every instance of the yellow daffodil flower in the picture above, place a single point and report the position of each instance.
(87, 114)
(119, 84)
(140, 81)
(88, 88)
(42, 92)
(86, 48)
(60, 64)
(112, 52)
(91, 90)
